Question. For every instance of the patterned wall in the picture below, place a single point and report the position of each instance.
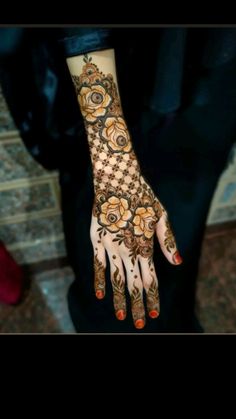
(223, 207)
(30, 215)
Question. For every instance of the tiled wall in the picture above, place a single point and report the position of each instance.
(223, 207)
(30, 216)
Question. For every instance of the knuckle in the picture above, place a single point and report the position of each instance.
(147, 281)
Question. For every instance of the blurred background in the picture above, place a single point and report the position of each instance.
(31, 229)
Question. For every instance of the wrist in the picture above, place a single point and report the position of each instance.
(116, 170)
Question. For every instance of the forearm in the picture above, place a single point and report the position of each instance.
(94, 77)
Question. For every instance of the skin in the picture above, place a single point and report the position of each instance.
(126, 213)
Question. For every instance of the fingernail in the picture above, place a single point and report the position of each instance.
(153, 314)
(139, 324)
(100, 294)
(120, 314)
(177, 258)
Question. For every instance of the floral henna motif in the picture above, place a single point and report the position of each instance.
(133, 223)
(114, 214)
(124, 203)
(169, 240)
(100, 107)
(137, 307)
(144, 222)
(119, 295)
(94, 102)
(99, 278)
(153, 304)
(145, 247)
(116, 134)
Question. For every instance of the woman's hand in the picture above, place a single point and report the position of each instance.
(124, 222)
(126, 213)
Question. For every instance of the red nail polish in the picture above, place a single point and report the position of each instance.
(139, 324)
(177, 258)
(100, 294)
(120, 314)
(153, 314)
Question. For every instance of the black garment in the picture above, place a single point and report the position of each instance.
(178, 90)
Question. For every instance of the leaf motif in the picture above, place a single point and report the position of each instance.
(153, 296)
(136, 295)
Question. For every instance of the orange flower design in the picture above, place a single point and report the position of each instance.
(90, 74)
(115, 213)
(144, 222)
(94, 102)
(116, 134)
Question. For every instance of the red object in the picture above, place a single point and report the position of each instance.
(177, 258)
(153, 314)
(100, 294)
(139, 324)
(11, 278)
(121, 315)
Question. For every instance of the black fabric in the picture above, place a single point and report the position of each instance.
(76, 41)
(178, 90)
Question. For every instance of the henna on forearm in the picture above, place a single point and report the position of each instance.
(124, 203)
(126, 212)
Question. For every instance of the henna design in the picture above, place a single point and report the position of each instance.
(99, 278)
(153, 305)
(124, 203)
(137, 307)
(118, 286)
(115, 214)
(169, 240)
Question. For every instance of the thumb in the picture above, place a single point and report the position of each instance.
(167, 240)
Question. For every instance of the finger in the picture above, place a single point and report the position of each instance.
(99, 272)
(150, 284)
(135, 288)
(118, 285)
(99, 262)
(167, 240)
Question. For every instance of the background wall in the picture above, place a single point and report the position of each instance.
(223, 206)
(30, 215)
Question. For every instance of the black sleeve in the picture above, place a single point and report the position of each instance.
(77, 41)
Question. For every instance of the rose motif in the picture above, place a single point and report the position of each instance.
(93, 101)
(115, 213)
(116, 134)
(145, 246)
(144, 222)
